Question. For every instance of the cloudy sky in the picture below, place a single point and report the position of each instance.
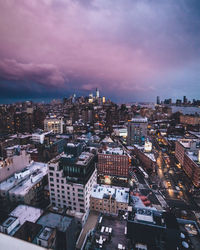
(130, 49)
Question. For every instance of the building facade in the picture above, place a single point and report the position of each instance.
(187, 152)
(137, 131)
(54, 124)
(71, 181)
(109, 200)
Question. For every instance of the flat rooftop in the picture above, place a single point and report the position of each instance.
(189, 232)
(53, 220)
(139, 120)
(23, 185)
(26, 213)
(9, 221)
(118, 193)
(115, 151)
(147, 216)
(84, 158)
(117, 225)
(193, 156)
(151, 156)
(45, 233)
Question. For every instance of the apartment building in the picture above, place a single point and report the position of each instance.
(71, 180)
(109, 200)
(54, 124)
(187, 152)
(113, 161)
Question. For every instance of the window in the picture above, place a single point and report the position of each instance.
(80, 190)
(80, 195)
(82, 210)
(51, 179)
(51, 168)
(74, 203)
(81, 205)
(51, 174)
(57, 180)
(62, 187)
(62, 181)
(57, 175)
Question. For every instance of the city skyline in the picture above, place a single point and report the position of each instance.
(126, 50)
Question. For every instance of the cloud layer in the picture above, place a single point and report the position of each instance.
(127, 48)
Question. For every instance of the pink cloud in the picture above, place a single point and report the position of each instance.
(116, 45)
(46, 74)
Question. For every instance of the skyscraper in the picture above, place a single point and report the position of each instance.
(97, 93)
(184, 99)
(158, 100)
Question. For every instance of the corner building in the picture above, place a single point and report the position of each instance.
(71, 180)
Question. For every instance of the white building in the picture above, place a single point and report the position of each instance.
(54, 124)
(24, 186)
(39, 137)
(71, 185)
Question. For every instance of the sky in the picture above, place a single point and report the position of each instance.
(132, 50)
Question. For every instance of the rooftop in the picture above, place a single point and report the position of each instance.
(26, 213)
(53, 220)
(139, 119)
(193, 156)
(189, 233)
(114, 151)
(24, 186)
(109, 234)
(118, 193)
(151, 156)
(21, 185)
(9, 221)
(45, 233)
(84, 158)
(147, 216)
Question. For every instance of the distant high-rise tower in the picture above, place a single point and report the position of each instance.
(184, 99)
(97, 93)
(158, 100)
